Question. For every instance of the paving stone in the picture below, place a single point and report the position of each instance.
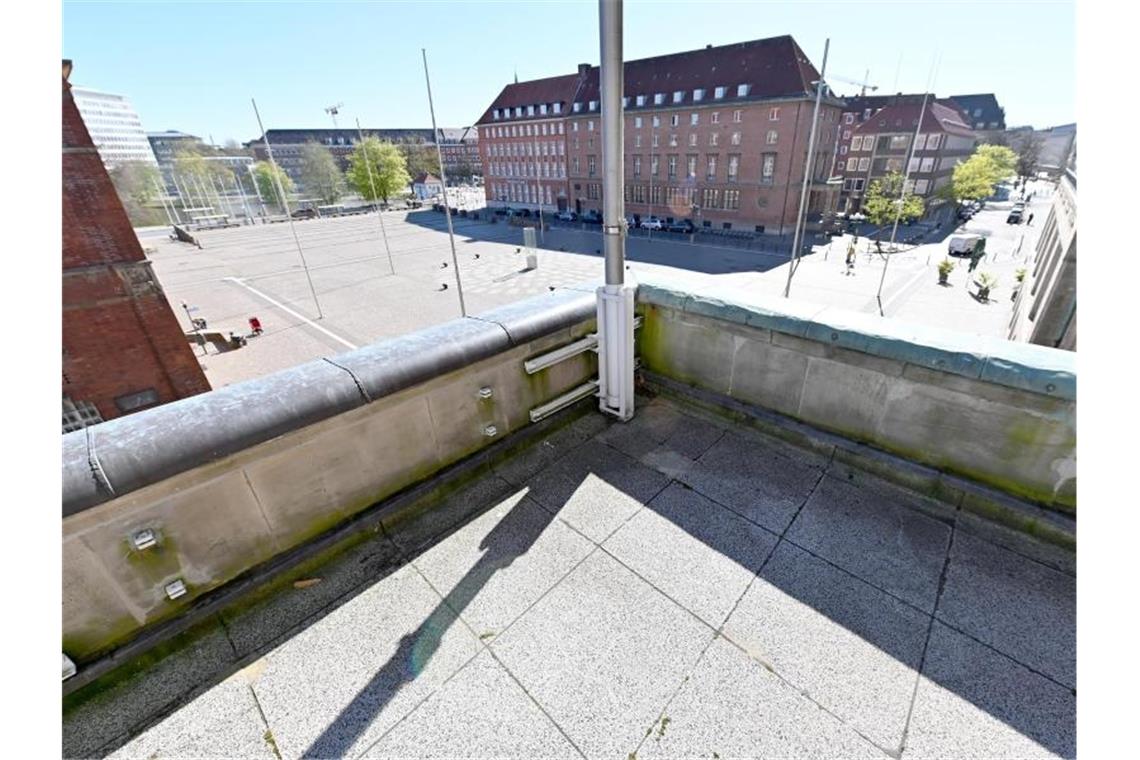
(699, 553)
(265, 622)
(852, 648)
(524, 465)
(876, 537)
(480, 713)
(1019, 607)
(660, 422)
(436, 520)
(1018, 542)
(595, 488)
(732, 707)
(975, 703)
(334, 688)
(601, 653)
(110, 717)
(222, 722)
(499, 564)
(753, 480)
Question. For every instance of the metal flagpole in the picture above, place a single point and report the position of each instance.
(256, 189)
(241, 192)
(162, 200)
(906, 178)
(285, 205)
(379, 211)
(443, 179)
(807, 171)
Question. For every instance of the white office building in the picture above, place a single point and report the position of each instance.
(114, 126)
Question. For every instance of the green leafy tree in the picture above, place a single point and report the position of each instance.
(887, 201)
(320, 174)
(421, 158)
(138, 185)
(267, 176)
(377, 170)
(1003, 159)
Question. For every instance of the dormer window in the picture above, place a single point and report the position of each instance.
(495, 113)
(518, 110)
(678, 96)
(625, 102)
(557, 108)
(659, 98)
(641, 100)
(530, 110)
(698, 95)
(742, 90)
(593, 105)
(718, 93)
(577, 108)
(542, 109)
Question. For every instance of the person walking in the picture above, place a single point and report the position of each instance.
(851, 258)
(1030, 222)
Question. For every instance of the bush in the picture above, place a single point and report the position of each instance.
(945, 267)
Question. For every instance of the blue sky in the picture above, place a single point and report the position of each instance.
(194, 66)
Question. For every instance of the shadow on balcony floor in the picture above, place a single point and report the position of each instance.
(677, 586)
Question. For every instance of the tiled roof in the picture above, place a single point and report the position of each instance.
(422, 178)
(772, 68)
(940, 116)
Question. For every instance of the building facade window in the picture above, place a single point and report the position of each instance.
(774, 113)
(637, 122)
(656, 121)
(768, 169)
(772, 137)
(864, 164)
(637, 141)
(656, 142)
(692, 165)
(672, 141)
(718, 93)
(733, 167)
(698, 95)
(692, 139)
(694, 119)
(714, 138)
(716, 117)
(592, 165)
(674, 120)
(731, 200)
(742, 90)
(672, 167)
(678, 96)
(658, 98)
(735, 138)
(737, 116)
(641, 100)
(653, 165)
(710, 197)
(710, 173)
(848, 118)
(637, 166)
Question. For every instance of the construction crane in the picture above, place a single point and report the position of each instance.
(864, 85)
(333, 111)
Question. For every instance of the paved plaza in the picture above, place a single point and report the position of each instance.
(674, 587)
(257, 271)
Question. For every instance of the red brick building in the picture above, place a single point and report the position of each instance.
(875, 138)
(717, 135)
(123, 349)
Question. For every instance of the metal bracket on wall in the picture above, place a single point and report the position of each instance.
(581, 346)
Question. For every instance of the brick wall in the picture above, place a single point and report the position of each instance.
(120, 335)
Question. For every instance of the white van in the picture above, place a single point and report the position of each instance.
(966, 245)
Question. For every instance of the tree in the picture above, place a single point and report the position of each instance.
(421, 159)
(378, 165)
(1029, 154)
(137, 185)
(1003, 158)
(888, 200)
(267, 176)
(463, 172)
(320, 174)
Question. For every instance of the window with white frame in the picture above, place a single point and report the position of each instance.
(692, 139)
(672, 140)
(656, 142)
(518, 111)
(913, 165)
(864, 164)
(678, 96)
(557, 108)
(847, 134)
(920, 143)
(637, 141)
(641, 100)
(590, 125)
(868, 142)
(921, 186)
(637, 122)
(674, 120)
(735, 138)
(692, 165)
(495, 113)
(658, 98)
(694, 119)
(852, 164)
(593, 105)
(768, 169)
(625, 102)
(637, 166)
(842, 150)
(698, 95)
(714, 138)
(927, 165)
(848, 118)
(577, 108)
(933, 142)
(657, 121)
(718, 93)
(716, 117)
(742, 90)
(733, 167)
(859, 184)
(736, 116)
(774, 113)
(542, 109)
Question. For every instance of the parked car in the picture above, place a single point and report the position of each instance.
(305, 213)
(1014, 217)
(967, 245)
(652, 223)
(566, 216)
(592, 217)
(682, 225)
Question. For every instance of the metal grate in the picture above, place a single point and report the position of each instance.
(78, 415)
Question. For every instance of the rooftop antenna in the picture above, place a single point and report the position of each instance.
(333, 111)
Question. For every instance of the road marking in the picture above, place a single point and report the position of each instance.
(289, 311)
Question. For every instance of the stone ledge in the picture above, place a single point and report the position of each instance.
(1047, 371)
